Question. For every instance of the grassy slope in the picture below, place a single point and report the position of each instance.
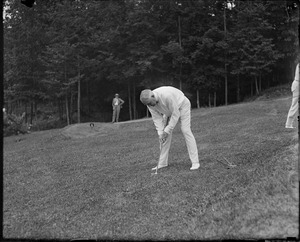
(100, 186)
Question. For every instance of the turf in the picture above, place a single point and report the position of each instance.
(96, 183)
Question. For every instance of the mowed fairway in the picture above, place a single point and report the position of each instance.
(80, 182)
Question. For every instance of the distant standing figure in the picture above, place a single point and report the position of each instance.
(116, 104)
(5, 119)
(294, 106)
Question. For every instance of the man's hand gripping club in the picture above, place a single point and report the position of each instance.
(163, 137)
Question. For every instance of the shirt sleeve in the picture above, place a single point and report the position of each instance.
(122, 101)
(174, 109)
(158, 121)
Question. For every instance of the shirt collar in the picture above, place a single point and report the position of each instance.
(156, 97)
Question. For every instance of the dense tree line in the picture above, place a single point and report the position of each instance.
(74, 55)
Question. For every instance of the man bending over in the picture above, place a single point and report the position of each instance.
(170, 102)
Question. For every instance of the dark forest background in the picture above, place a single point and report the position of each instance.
(65, 59)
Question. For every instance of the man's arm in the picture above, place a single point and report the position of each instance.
(173, 107)
(158, 121)
(121, 101)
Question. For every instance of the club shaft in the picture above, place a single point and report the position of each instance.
(160, 148)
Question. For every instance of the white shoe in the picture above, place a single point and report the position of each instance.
(195, 166)
(154, 168)
(289, 127)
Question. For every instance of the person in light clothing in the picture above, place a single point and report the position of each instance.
(116, 104)
(167, 105)
(295, 101)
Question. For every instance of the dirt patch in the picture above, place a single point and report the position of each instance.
(83, 130)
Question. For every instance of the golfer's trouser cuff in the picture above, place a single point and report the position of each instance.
(192, 147)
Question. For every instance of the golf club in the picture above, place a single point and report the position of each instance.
(227, 163)
(160, 147)
(166, 121)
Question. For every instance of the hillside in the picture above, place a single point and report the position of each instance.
(96, 182)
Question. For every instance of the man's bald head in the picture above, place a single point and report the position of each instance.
(147, 97)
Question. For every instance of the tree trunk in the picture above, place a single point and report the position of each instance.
(226, 86)
(25, 112)
(256, 86)
(79, 94)
(180, 81)
(35, 111)
(67, 110)
(209, 100)
(129, 101)
(61, 106)
(198, 103)
(238, 89)
(179, 30)
(251, 87)
(225, 57)
(78, 102)
(71, 107)
(31, 112)
(11, 107)
(179, 40)
(215, 99)
(133, 101)
(89, 99)
(58, 108)
(260, 82)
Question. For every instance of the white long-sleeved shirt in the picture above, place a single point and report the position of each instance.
(169, 100)
(117, 101)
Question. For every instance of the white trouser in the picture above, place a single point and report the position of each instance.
(116, 113)
(294, 106)
(185, 119)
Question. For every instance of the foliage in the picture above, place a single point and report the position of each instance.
(14, 125)
(103, 47)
